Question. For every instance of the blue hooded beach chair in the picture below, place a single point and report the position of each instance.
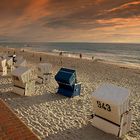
(68, 86)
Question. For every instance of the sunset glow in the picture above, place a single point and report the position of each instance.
(75, 20)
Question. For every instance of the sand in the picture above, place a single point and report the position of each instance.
(55, 117)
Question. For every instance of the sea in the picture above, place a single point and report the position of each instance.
(121, 53)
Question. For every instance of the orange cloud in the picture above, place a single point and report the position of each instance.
(36, 9)
(126, 5)
(122, 23)
(48, 20)
(31, 13)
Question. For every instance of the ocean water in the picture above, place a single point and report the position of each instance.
(113, 52)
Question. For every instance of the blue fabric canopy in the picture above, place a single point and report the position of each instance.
(66, 76)
(66, 79)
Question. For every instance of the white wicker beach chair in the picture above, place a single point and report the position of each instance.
(24, 81)
(44, 72)
(19, 61)
(3, 67)
(9, 64)
(111, 107)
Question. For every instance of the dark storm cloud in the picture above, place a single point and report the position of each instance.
(70, 13)
(54, 19)
(84, 14)
(67, 22)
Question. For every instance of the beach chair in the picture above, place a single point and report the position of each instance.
(3, 67)
(44, 73)
(111, 108)
(19, 61)
(68, 86)
(9, 64)
(13, 57)
(24, 81)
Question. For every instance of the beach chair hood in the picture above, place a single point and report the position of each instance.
(66, 76)
(112, 94)
(44, 68)
(21, 62)
(24, 74)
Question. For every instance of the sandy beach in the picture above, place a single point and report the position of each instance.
(55, 117)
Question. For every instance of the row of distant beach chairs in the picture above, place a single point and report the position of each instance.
(112, 113)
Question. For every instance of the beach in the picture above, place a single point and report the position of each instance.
(55, 117)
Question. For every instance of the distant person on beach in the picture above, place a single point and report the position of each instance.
(22, 50)
(92, 57)
(80, 55)
(60, 54)
(40, 59)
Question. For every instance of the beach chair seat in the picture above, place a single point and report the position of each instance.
(111, 108)
(69, 91)
(44, 73)
(68, 86)
(112, 128)
(3, 67)
(23, 81)
(27, 90)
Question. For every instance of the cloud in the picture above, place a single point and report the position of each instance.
(86, 14)
(14, 8)
(47, 20)
(127, 10)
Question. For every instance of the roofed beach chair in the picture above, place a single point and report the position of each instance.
(44, 72)
(19, 61)
(10, 64)
(3, 67)
(111, 108)
(68, 86)
(13, 57)
(24, 81)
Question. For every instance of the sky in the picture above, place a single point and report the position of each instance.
(70, 20)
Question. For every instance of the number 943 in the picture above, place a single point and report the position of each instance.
(104, 106)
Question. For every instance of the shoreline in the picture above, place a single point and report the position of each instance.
(119, 64)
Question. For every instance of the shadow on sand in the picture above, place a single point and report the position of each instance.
(31, 100)
(87, 132)
(7, 95)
